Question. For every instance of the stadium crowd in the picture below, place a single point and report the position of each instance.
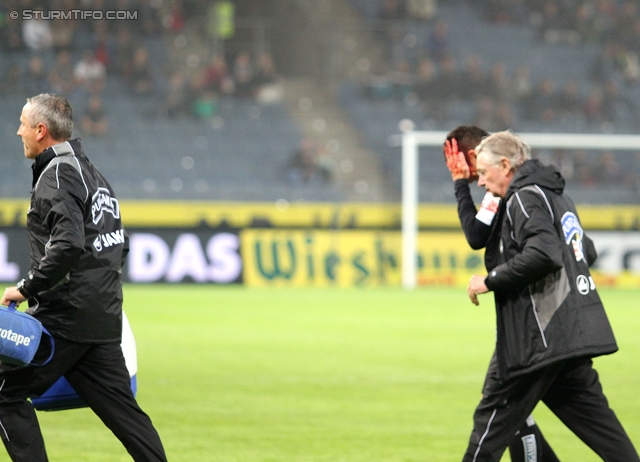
(77, 57)
(437, 76)
(612, 24)
(500, 95)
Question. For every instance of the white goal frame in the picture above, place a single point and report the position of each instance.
(411, 143)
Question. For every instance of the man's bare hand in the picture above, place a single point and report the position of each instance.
(476, 287)
(456, 161)
(11, 294)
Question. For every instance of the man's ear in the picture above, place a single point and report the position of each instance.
(41, 131)
(505, 165)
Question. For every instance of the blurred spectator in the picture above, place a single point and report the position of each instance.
(569, 101)
(205, 106)
(124, 50)
(448, 81)
(216, 76)
(474, 82)
(304, 166)
(176, 102)
(36, 33)
(424, 10)
(378, 83)
(605, 18)
(89, 72)
(556, 27)
(563, 159)
(174, 21)
(446, 89)
(135, 25)
(544, 107)
(629, 64)
(149, 16)
(627, 19)
(609, 171)
(393, 10)
(94, 121)
(593, 108)
(507, 11)
(504, 117)
(11, 81)
(494, 117)
(243, 74)
(62, 77)
(201, 101)
(586, 173)
(439, 41)
(103, 45)
(402, 80)
(584, 25)
(523, 85)
(499, 86)
(426, 75)
(605, 65)
(633, 39)
(141, 77)
(616, 106)
(10, 30)
(269, 88)
(62, 33)
(36, 80)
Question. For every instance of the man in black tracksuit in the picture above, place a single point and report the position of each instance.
(528, 443)
(74, 287)
(550, 320)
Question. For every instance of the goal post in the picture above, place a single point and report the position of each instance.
(413, 140)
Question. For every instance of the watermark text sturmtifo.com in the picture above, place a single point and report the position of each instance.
(74, 14)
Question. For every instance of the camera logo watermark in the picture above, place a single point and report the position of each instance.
(51, 15)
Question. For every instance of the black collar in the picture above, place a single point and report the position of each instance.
(42, 160)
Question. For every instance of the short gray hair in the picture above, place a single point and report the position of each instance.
(54, 111)
(505, 144)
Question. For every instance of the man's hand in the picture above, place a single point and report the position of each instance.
(476, 287)
(456, 161)
(12, 294)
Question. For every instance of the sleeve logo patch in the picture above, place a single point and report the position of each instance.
(573, 234)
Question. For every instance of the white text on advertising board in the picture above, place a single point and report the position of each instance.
(151, 258)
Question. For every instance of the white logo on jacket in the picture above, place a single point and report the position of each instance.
(103, 202)
(573, 234)
(585, 284)
(109, 239)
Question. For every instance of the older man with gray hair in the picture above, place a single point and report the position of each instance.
(550, 319)
(74, 287)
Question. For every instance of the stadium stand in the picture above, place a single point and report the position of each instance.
(232, 147)
(178, 130)
(516, 36)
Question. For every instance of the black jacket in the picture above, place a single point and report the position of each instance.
(77, 245)
(478, 234)
(547, 305)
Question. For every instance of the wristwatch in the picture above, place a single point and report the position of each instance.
(22, 290)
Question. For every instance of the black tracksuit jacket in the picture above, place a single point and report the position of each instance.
(547, 306)
(77, 245)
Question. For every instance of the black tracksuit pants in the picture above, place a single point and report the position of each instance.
(571, 390)
(99, 375)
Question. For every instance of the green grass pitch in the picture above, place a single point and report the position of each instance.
(233, 374)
